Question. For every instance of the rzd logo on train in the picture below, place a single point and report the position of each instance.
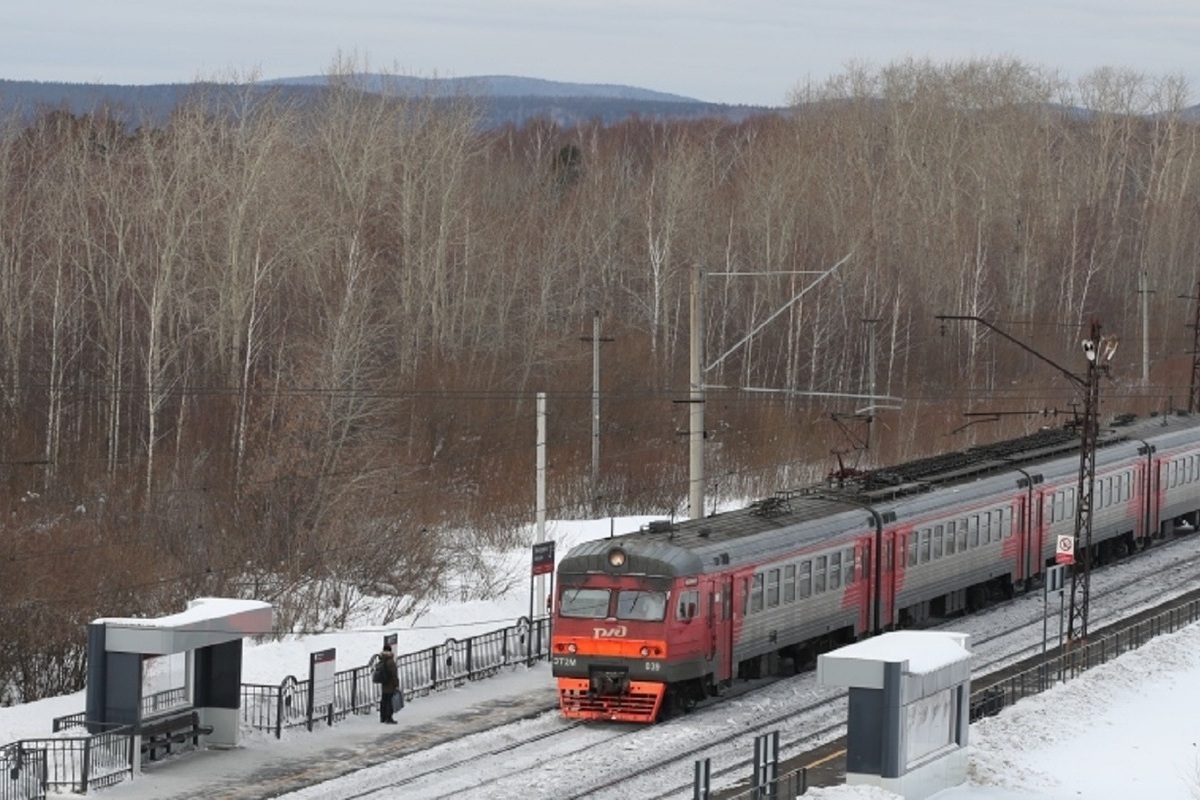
(610, 633)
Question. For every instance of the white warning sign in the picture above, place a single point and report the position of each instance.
(1064, 553)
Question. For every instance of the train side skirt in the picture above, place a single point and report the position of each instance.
(640, 703)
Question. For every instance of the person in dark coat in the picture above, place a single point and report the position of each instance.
(390, 685)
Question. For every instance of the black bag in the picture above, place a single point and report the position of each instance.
(380, 673)
(397, 700)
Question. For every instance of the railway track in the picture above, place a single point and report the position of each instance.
(552, 757)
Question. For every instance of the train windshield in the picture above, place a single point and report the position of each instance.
(650, 606)
(584, 603)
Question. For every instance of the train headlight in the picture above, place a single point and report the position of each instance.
(645, 652)
(571, 648)
(616, 557)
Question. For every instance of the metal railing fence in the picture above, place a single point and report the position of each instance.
(277, 708)
(67, 764)
(22, 773)
(1069, 662)
(786, 787)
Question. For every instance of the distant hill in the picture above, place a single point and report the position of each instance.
(503, 99)
(492, 86)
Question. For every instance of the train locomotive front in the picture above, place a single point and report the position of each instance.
(629, 634)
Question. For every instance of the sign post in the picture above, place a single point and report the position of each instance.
(1054, 583)
(543, 564)
(322, 672)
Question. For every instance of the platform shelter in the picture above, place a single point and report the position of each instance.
(209, 634)
(909, 710)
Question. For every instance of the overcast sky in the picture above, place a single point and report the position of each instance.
(728, 51)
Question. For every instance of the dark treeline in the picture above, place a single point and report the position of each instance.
(291, 353)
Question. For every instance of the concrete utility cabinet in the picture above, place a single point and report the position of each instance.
(210, 631)
(909, 710)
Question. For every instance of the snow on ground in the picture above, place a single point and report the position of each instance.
(1127, 729)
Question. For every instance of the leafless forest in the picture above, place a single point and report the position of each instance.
(292, 353)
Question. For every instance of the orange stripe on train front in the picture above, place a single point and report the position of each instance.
(612, 648)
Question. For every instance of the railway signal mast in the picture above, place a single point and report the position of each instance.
(1099, 352)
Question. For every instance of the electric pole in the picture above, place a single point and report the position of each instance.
(1089, 431)
(1194, 388)
(696, 399)
(595, 339)
(1145, 291)
(1098, 353)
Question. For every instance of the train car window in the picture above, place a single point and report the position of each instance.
(835, 571)
(973, 528)
(849, 561)
(772, 588)
(789, 583)
(1070, 503)
(925, 537)
(962, 536)
(819, 574)
(985, 527)
(889, 551)
(584, 603)
(689, 601)
(643, 605)
(912, 548)
(756, 594)
(1006, 522)
(938, 535)
(950, 538)
(806, 579)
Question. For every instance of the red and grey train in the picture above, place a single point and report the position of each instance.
(652, 621)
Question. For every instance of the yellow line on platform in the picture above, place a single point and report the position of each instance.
(829, 757)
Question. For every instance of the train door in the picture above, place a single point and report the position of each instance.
(1155, 491)
(1142, 501)
(1037, 531)
(893, 574)
(720, 624)
(1023, 533)
(865, 576)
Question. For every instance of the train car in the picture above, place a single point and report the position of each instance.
(649, 622)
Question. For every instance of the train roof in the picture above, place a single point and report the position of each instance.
(923, 474)
(707, 544)
(808, 515)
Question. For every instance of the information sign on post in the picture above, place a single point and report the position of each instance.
(1064, 553)
(543, 564)
(543, 558)
(322, 672)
